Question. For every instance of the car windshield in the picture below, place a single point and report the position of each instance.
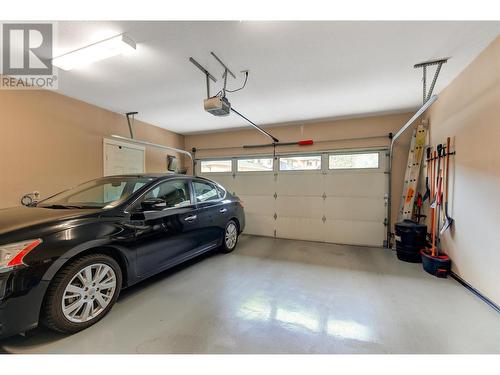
(106, 192)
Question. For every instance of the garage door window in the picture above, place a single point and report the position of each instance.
(255, 165)
(211, 166)
(300, 163)
(353, 161)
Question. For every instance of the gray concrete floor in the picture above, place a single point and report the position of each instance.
(284, 296)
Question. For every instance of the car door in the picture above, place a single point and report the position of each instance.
(165, 233)
(210, 212)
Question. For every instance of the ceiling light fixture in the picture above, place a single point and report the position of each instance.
(117, 45)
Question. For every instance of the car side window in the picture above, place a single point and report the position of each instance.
(221, 191)
(174, 193)
(205, 192)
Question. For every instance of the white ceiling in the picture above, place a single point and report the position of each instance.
(298, 70)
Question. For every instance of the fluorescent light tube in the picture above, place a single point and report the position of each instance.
(84, 56)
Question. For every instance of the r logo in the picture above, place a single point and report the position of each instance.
(27, 49)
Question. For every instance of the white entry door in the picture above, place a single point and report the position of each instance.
(122, 158)
(338, 197)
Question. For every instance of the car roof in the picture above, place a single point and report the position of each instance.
(158, 176)
(150, 175)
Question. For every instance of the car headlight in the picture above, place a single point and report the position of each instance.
(12, 254)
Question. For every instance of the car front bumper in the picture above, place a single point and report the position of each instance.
(19, 308)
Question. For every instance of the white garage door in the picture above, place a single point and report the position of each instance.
(330, 197)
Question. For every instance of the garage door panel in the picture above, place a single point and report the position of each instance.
(258, 204)
(306, 207)
(260, 225)
(300, 184)
(254, 184)
(355, 208)
(300, 228)
(370, 233)
(355, 184)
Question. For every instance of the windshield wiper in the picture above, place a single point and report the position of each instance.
(61, 206)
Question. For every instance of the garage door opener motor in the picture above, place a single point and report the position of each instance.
(219, 105)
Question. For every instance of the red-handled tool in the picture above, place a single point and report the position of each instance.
(432, 210)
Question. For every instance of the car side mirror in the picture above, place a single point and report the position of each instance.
(153, 204)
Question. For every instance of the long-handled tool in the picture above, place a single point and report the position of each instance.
(436, 176)
(427, 193)
(439, 203)
(448, 221)
(432, 261)
(432, 211)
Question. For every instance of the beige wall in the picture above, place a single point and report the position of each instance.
(468, 110)
(320, 132)
(49, 142)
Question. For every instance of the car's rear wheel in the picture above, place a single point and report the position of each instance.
(82, 293)
(230, 237)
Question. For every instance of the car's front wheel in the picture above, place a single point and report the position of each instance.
(230, 237)
(82, 293)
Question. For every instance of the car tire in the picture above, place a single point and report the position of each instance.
(82, 293)
(230, 237)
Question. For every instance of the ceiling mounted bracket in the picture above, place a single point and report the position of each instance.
(439, 62)
(131, 123)
(207, 74)
(224, 75)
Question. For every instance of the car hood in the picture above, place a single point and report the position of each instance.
(13, 219)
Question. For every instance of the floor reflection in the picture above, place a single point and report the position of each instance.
(258, 308)
(303, 319)
(348, 329)
(255, 309)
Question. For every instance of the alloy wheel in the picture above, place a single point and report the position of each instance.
(88, 293)
(231, 235)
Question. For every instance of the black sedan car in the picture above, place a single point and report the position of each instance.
(64, 261)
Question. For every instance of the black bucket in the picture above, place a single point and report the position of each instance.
(438, 266)
(410, 239)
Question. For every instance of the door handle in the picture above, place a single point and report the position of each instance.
(190, 218)
(223, 210)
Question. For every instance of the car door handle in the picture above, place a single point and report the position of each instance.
(223, 210)
(191, 218)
